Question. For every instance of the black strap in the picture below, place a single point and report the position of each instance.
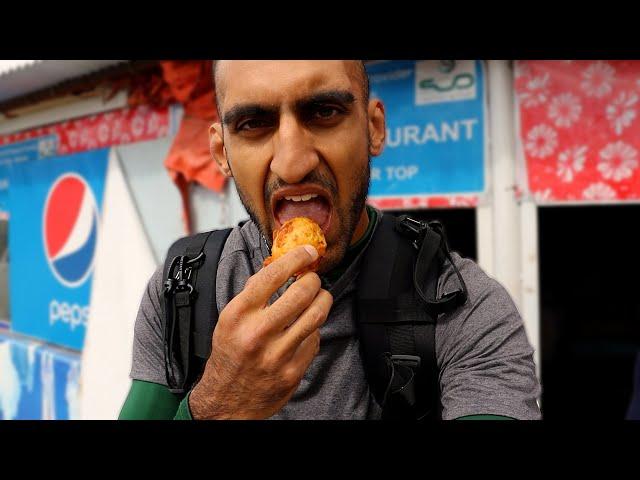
(190, 306)
(397, 311)
(435, 243)
(387, 316)
(426, 337)
(183, 309)
(169, 325)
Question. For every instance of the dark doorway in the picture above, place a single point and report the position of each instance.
(590, 309)
(459, 224)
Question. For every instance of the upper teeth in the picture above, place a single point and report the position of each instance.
(301, 198)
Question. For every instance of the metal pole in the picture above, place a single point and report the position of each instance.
(530, 276)
(506, 215)
(484, 235)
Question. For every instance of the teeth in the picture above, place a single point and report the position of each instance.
(301, 198)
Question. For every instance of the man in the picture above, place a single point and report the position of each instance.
(297, 137)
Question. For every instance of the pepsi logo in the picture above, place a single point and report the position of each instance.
(70, 229)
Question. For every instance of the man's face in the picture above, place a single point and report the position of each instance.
(297, 137)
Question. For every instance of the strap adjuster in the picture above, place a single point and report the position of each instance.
(412, 228)
(411, 361)
(401, 386)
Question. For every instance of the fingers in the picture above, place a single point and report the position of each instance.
(307, 325)
(292, 303)
(261, 286)
(305, 353)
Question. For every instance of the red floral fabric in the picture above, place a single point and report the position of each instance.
(579, 129)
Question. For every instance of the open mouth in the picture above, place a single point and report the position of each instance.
(311, 202)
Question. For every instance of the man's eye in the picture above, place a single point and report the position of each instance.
(325, 113)
(252, 124)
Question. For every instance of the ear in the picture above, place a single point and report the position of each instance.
(217, 148)
(377, 127)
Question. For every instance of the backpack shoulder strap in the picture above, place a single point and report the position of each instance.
(191, 312)
(397, 310)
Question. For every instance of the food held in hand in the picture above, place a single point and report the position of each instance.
(293, 233)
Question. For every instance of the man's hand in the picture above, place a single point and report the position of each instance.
(260, 353)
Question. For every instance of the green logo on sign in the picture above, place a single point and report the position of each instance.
(460, 81)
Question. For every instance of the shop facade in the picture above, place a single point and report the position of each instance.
(484, 146)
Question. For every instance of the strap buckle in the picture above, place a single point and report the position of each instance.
(412, 228)
(181, 280)
(411, 361)
(401, 389)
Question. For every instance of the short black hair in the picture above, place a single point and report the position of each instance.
(362, 71)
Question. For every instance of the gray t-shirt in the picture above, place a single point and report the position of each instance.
(485, 360)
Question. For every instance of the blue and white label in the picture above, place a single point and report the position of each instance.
(435, 128)
(19, 152)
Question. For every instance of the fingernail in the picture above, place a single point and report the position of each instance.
(312, 251)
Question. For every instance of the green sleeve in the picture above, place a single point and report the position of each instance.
(183, 412)
(484, 417)
(150, 401)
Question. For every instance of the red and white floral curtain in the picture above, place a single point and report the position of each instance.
(579, 131)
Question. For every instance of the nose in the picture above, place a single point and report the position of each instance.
(294, 155)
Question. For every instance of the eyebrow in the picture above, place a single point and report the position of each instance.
(343, 97)
(247, 110)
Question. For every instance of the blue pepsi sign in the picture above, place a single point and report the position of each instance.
(435, 128)
(55, 221)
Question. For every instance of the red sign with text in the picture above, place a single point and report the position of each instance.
(117, 127)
